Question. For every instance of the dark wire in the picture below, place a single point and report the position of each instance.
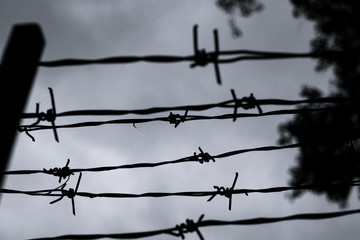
(157, 164)
(133, 121)
(247, 55)
(202, 107)
(208, 223)
(57, 192)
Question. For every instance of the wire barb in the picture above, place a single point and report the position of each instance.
(245, 103)
(227, 192)
(188, 226)
(250, 103)
(202, 58)
(71, 193)
(49, 116)
(202, 157)
(62, 173)
(25, 129)
(177, 119)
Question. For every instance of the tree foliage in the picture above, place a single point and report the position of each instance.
(331, 150)
(328, 155)
(245, 8)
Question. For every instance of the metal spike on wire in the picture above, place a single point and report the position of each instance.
(49, 116)
(202, 58)
(226, 192)
(62, 173)
(71, 193)
(188, 227)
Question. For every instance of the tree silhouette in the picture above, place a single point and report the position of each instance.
(244, 8)
(329, 156)
(330, 151)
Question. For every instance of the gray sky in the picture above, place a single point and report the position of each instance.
(95, 29)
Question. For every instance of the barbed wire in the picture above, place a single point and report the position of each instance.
(222, 191)
(189, 117)
(225, 104)
(246, 103)
(190, 226)
(201, 157)
(200, 57)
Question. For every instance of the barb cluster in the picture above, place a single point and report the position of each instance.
(202, 157)
(187, 227)
(202, 58)
(245, 103)
(177, 119)
(71, 193)
(226, 192)
(62, 173)
(49, 116)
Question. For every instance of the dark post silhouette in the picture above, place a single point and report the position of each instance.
(17, 71)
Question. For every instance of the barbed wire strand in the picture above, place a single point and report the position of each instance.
(249, 55)
(207, 223)
(188, 118)
(57, 192)
(202, 107)
(156, 164)
(201, 157)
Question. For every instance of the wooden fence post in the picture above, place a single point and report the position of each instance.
(17, 71)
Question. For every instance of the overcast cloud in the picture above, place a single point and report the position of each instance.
(95, 29)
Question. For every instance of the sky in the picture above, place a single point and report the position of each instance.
(95, 29)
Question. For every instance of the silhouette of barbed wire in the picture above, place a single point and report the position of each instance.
(201, 107)
(191, 226)
(247, 55)
(200, 57)
(133, 121)
(200, 157)
(245, 103)
(58, 192)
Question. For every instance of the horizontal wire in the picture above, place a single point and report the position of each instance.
(202, 107)
(251, 55)
(208, 223)
(188, 118)
(157, 164)
(49, 192)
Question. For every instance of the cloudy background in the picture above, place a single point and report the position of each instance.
(96, 29)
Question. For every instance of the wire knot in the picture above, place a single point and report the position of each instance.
(62, 173)
(71, 193)
(226, 192)
(202, 58)
(49, 116)
(245, 103)
(250, 102)
(189, 226)
(203, 157)
(176, 118)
